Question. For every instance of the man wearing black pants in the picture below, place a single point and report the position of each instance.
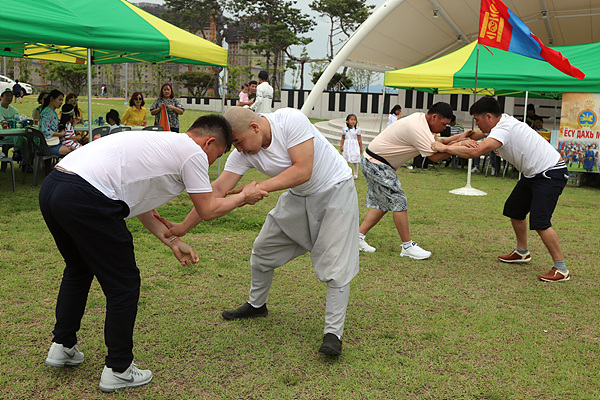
(85, 202)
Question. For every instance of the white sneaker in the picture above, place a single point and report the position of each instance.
(132, 377)
(475, 170)
(364, 246)
(415, 252)
(59, 356)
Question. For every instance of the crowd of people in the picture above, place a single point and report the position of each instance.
(318, 213)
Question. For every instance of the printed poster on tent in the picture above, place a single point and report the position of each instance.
(579, 135)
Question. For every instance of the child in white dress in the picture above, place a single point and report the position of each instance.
(351, 143)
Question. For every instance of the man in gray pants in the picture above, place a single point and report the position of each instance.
(317, 214)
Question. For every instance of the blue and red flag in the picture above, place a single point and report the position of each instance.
(501, 28)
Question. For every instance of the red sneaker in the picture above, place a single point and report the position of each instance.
(515, 257)
(555, 276)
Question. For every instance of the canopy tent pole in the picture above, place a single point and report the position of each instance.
(89, 93)
(357, 37)
(468, 190)
(126, 83)
(224, 94)
(381, 109)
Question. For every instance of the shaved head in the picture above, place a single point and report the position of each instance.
(240, 118)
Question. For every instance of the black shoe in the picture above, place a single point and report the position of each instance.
(245, 311)
(332, 346)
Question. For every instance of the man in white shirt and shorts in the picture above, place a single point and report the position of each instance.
(85, 202)
(318, 213)
(544, 177)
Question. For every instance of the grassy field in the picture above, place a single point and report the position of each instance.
(460, 325)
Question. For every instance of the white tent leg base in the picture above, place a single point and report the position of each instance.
(468, 191)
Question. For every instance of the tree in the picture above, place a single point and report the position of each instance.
(73, 76)
(197, 82)
(200, 17)
(362, 78)
(345, 17)
(338, 82)
(270, 27)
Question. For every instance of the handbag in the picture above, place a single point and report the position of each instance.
(52, 141)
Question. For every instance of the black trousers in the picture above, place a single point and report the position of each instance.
(91, 234)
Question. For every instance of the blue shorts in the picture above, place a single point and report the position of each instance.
(537, 196)
(54, 150)
(384, 191)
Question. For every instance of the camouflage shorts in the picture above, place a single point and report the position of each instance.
(384, 191)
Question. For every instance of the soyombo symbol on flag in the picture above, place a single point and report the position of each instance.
(500, 28)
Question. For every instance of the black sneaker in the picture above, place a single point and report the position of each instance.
(332, 346)
(245, 311)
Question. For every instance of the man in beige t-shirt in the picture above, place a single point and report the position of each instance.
(393, 147)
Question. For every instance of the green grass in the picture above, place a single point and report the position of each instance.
(459, 325)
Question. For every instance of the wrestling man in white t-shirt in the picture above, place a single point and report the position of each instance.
(85, 202)
(318, 213)
(544, 177)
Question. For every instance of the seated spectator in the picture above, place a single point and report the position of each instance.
(36, 111)
(112, 118)
(49, 123)
(67, 118)
(135, 115)
(72, 100)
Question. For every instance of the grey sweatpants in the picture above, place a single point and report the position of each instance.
(326, 225)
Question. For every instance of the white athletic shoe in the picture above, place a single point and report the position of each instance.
(364, 246)
(59, 356)
(415, 252)
(132, 377)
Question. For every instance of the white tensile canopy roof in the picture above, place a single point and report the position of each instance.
(409, 33)
(402, 33)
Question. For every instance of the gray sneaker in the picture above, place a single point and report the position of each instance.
(364, 246)
(60, 356)
(415, 252)
(132, 377)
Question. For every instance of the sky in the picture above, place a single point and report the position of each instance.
(319, 46)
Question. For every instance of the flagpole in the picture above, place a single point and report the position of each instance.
(468, 190)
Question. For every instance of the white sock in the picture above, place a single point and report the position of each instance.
(408, 244)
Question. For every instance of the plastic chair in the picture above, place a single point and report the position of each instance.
(9, 161)
(101, 130)
(153, 128)
(120, 129)
(38, 148)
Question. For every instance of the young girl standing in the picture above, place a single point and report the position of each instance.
(351, 143)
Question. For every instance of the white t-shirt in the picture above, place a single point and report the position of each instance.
(402, 141)
(523, 147)
(145, 169)
(289, 127)
(264, 97)
(393, 118)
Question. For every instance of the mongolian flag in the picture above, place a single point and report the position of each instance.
(164, 118)
(500, 28)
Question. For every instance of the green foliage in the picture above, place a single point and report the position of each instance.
(337, 81)
(201, 17)
(72, 76)
(345, 17)
(197, 82)
(270, 27)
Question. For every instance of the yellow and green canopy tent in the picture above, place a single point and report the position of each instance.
(500, 73)
(115, 30)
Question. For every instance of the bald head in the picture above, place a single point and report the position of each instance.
(240, 118)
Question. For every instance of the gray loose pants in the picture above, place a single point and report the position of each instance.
(326, 225)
